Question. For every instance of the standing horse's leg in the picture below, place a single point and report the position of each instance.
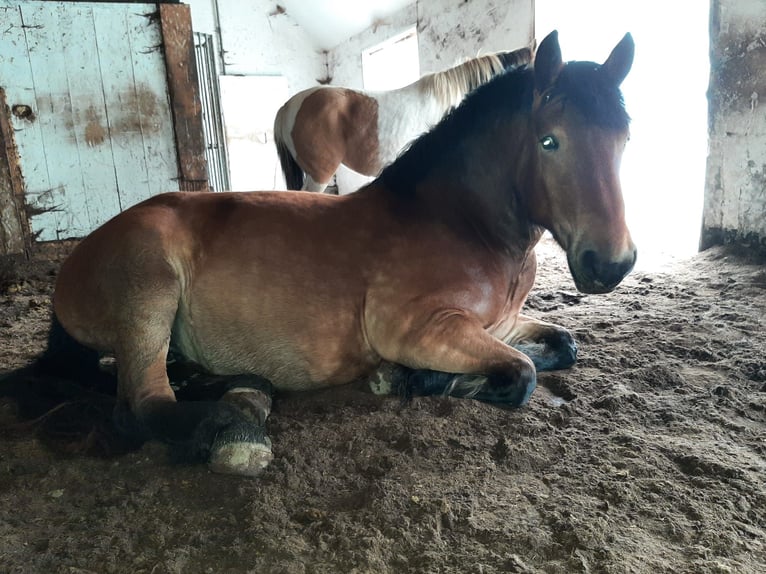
(549, 346)
(455, 356)
(309, 184)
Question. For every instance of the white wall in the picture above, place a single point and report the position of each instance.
(259, 41)
(345, 60)
(449, 31)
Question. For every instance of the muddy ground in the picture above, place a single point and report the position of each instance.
(648, 456)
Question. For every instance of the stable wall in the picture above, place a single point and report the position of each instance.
(259, 40)
(449, 31)
(735, 191)
(98, 111)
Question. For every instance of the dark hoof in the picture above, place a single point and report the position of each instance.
(557, 351)
(242, 449)
(566, 349)
(495, 389)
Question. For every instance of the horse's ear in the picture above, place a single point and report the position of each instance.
(548, 62)
(618, 63)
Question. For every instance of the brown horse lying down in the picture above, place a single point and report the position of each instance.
(425, 270)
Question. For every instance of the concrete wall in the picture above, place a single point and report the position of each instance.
(735, 193)
(448, 32)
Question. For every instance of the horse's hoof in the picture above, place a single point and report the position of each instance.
(380, 383)
(241, 449)
(255, 404)
(388, 378)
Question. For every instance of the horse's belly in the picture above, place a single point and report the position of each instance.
(291, 360)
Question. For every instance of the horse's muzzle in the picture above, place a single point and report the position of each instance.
(593, 273)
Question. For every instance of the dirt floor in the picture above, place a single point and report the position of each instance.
(648, 456)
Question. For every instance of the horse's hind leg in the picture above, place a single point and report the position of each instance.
(229, 433)
(243, 448)
(549, 346)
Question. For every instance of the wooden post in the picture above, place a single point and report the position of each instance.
(15, 234)
(185, 103)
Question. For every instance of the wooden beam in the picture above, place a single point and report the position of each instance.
(185, 103)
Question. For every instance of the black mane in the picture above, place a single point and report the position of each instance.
(587, 86)
(502, 95)
(583, 84)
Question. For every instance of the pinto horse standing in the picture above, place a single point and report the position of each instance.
(318, 129)
(423, 271)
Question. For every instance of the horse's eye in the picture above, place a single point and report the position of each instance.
(549, 143)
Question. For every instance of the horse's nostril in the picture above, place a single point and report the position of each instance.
(590, 263)
(607, 272)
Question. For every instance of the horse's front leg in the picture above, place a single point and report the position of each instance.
(229, 433)
(456, 356)
(549, 346)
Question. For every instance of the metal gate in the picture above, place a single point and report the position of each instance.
(210, 96)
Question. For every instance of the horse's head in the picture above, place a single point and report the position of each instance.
(581, 128)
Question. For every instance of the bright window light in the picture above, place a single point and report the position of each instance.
(392, 64)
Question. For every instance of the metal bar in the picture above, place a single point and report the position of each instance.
(215, 141)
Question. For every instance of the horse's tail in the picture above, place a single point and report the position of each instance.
(66, 370)
(65, 357)
(66, 399)
(294, 176)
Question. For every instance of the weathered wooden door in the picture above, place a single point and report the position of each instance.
(86, 88)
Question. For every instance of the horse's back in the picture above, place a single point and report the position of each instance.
(403, 115)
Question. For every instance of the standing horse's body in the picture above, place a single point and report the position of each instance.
(318, 129)
(424, 271)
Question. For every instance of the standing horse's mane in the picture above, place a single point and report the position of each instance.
(450, 86)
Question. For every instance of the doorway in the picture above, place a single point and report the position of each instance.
(663, 169)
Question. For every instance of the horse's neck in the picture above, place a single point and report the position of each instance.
(490, 202)
(498, 222)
